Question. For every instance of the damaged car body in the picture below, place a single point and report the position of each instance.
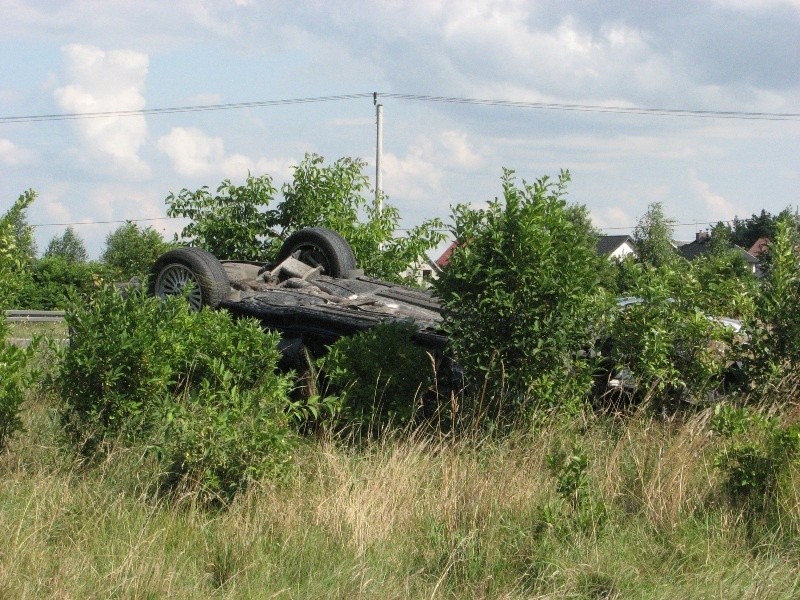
(312, 295)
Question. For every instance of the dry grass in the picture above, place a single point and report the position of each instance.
(409, 517)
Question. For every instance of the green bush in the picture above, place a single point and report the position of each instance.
(666, 344)
(55, 281)
(221, 435)
(16, 250)
(668, 338)
(776, 327)
(239, 222)
(337, 196)
(15, 378)
(131, 251)
(757, 459)
(522, 297)
(380, 377)
(14, 373)
(198, 387)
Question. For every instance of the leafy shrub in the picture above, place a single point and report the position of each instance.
(664, 343)
(380, 376)
(776, 328)
(756, 458)
(522, 297)
(337, 196)
(131, 251)
(233, 224)
(55, 282)
(570, 470)
(198, 387)
(14, 374)
(15, 377)
(16, 249)
(220, 435)
(239, 223)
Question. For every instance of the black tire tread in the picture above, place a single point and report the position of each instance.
(337, 250)
(210, 274)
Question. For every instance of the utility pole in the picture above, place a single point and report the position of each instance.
(378, 154)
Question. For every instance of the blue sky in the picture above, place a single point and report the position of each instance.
(64, 56)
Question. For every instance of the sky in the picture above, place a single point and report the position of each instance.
(527, 59)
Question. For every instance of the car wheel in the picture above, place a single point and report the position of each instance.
(191, 271)
(320, 247)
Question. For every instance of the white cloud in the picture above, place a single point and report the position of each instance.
(100, 81)
(195, 153)
(717, 206)
(191, 151)
(12, 155)
(613, 218)
(418, 174)
(413, 176)
(459, 150)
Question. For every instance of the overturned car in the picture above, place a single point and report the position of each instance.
(313, 294)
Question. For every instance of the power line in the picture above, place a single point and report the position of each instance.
(178, 109)
(632, 110)
(666, 112)
(111, 222)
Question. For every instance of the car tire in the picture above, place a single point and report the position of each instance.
(320, 247)
(179, 268)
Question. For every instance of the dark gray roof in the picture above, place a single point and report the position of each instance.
(694, 249)
(606, 244)
(697, 248)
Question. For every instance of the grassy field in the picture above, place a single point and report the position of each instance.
(407, 517)
(27, 330)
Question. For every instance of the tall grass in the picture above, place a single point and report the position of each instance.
(408, 516)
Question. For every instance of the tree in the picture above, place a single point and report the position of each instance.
(15, 377)
(725, 284)
(55, 281)
(776, 340)
(238, 223)
(68, 246)
(653, 237)
(16, 246)
(522, 296)
(234, 224)
(333, 196)
(131, 251)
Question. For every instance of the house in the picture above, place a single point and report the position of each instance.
(615, 247)
(702, 245)
(442, 261)
(760, 247)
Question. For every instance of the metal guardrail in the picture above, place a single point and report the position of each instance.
(34, 316)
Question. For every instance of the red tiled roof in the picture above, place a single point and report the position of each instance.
(444, 259)
(759, 247)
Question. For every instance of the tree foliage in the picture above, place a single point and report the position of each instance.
(334, 196)
(68, 246)
(653, 237)
(131, 251)
(240, 222)
(747, 231)
(16, 244)
(55, 281)
(232, 224)
(777, 325)
(522, 295)
(15, 376)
